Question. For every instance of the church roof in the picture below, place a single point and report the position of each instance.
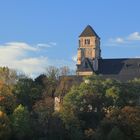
(121, 69)
(88, 31)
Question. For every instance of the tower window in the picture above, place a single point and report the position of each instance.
(87, 41)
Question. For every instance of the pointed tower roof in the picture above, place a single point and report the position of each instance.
(88, 31)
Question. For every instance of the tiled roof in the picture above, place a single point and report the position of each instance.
(121, 69)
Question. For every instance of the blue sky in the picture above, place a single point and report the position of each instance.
(37, 33)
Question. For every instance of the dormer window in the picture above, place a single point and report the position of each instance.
(87, 41)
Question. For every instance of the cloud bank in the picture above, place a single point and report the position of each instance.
(15, 55)
(29, 59)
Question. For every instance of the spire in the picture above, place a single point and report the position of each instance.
(88, 31)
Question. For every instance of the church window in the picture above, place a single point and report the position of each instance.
(87, 41)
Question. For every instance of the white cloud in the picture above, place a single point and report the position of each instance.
(16, 55)
(48, 45)
(117, 40)
(31, 65)
(43, 45)
(28, 58)
(20, 45)
(53, 43)
(131, 38)
(13, 50)
(134, 36)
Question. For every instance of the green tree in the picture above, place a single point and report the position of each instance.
(27, 92)
(42, 117)
(129, 94)
(116, 134)
(21, 123)
(83, 107)
(112, 95)
(41, 80)
(52, 74)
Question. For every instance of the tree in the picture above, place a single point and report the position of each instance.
(116, 134)
(82, 108)
(123, 123)
(65, 84)
(112, 94)
(27, 92)
(5, 129)
(7, 99)
(41, 80)
(130, 119)
(50, 81)
(52, 72)
(8, 76)
(21, 123)
(42, 116)
(64, 71)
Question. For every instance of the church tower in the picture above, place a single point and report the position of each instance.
(88, 52)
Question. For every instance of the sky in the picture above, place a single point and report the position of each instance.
(35, 34)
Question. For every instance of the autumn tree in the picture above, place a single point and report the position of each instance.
(7, 99)
(121, 124)
(8, 76)
(5, 128)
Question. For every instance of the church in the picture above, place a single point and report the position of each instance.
(90, 62)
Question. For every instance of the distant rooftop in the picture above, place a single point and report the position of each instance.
(88, 31)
